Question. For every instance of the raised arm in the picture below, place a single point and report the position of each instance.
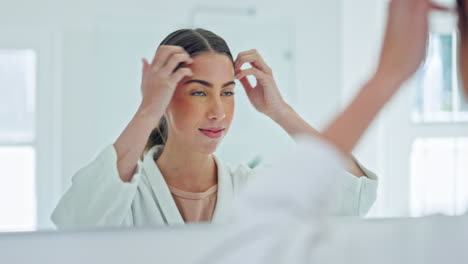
(403, 50)
(267, 99)
(159, 81)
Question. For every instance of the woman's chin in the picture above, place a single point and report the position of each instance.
(210, 146)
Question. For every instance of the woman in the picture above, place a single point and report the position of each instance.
(188, 90)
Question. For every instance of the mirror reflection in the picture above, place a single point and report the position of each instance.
(154, 114)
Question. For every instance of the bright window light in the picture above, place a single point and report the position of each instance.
(439, 179)
(17, 140)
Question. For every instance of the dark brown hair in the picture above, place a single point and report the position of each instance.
(462, 18)
(195, 42)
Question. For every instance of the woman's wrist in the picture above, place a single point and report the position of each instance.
(149, 113)
(146, 122)
(281, 113)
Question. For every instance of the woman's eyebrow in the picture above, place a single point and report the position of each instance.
(229, 83)
(204, 83)
(207, 84)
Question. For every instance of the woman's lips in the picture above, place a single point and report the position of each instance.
(212, 132)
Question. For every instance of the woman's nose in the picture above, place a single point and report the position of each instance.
(216, 111)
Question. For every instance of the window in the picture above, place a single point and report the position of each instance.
(439, 152)
(17, 140)
(438, 173)
(438, 95)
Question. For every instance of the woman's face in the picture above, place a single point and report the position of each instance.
(202, 108)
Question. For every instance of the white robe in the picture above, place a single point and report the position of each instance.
(98, 197)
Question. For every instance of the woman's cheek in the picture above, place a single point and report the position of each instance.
(184, 113)
(230, 107)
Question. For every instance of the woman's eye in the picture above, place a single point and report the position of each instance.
(198, 94)
(228, 93)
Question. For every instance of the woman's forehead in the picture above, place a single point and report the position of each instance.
(214, 69)
(211, 67)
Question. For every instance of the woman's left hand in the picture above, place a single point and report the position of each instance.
(265, 96)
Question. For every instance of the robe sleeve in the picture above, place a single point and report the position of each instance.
(97, 196)
(356, 194)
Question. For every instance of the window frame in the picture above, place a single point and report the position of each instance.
(46, 42)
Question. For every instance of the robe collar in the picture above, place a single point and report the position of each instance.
(163, 195)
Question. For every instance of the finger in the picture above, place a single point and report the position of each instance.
(438, 7)
(175, 62)
(241, 60)
(145, 65)
(251, 71)
(256, 61)
(177, 76)
(246, 84)
(163, 53)
(243, 53)
(247, 52)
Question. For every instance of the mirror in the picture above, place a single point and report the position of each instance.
(70, 83)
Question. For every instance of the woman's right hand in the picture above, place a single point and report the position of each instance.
(404, 46)
(159, 80)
